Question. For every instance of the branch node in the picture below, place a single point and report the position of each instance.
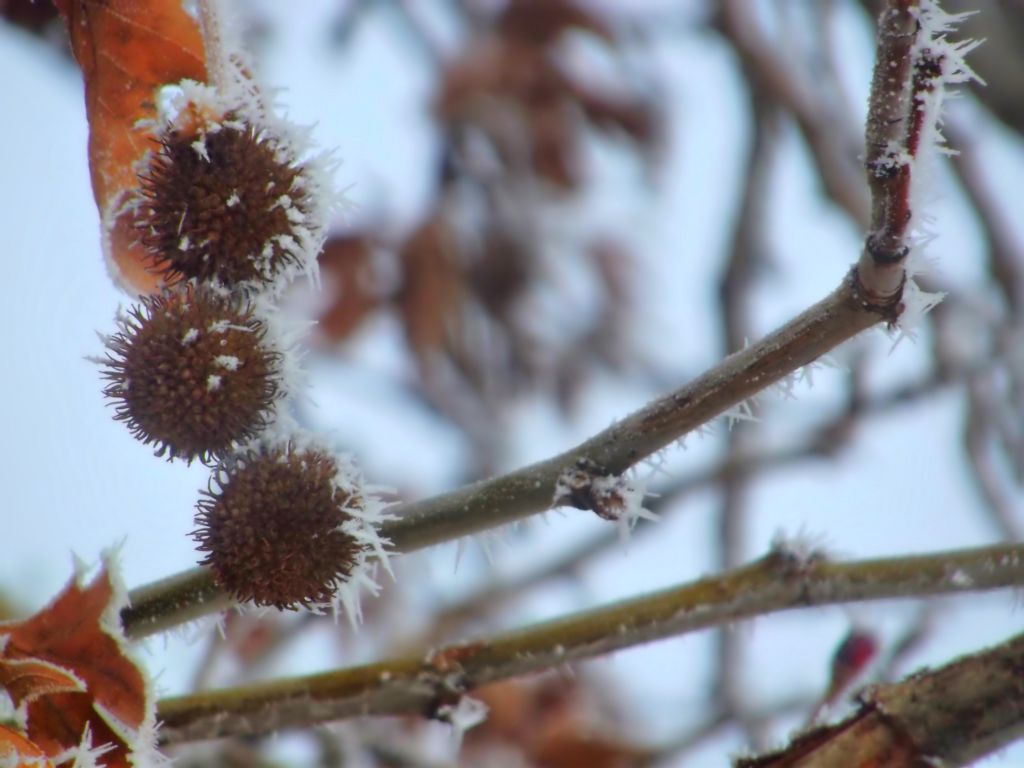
(444, 673)
(882, 256)
(889, 306)
(794, 560)
(590, 486)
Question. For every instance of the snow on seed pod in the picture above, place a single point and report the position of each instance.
(193, 373)
(222, 205)
(289, 527)
(229, 196)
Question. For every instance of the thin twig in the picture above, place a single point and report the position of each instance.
(1005, 254)
(192, 594)
(824, 442)
(421, 682)
(980, 422)
(772, 76)
(745, 260)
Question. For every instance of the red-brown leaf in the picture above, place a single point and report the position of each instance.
(346, 264)
(432, 286)
(18, 752)
(71, 635)
(28, 679)
(127, 49)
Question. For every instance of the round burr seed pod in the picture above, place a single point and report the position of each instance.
(225, 203)
(284, 527)
(192, 373)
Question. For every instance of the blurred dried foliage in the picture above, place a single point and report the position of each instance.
(554, 722)
(466, 281)
(474, 279)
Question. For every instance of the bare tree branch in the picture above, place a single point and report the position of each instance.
(420, 683)
(746, 257)
(823, 443)
(192, 594)
(527, 491)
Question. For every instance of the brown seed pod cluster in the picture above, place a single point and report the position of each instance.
(223, 203)
(191, 372)
(230, 215)
(272, 527)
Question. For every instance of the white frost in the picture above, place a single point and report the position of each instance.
(960, 579)
(467, 714)
(931, 49)
(85, 755)
(742, 411)
(199, 146)
(228, 362)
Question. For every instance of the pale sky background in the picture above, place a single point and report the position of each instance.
(77, 482)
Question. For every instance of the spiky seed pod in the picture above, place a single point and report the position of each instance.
(224, 203)
(192, 373)
(273, 525)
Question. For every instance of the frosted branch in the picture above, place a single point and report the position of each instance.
(914, 65)
(417, 684)
(530, 490)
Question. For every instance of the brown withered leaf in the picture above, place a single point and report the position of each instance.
(28, 679)
(503, 270)
(126, 50)
(346, 264)
(568, 745)
(549, 721)
(498, 69)
(432, 287)
(540, 22)
(71, 672)
(555, 138)
(633, 116)
(513, 88)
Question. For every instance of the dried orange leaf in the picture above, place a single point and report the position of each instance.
(18, 752)
(127, 49)
(28, 679)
